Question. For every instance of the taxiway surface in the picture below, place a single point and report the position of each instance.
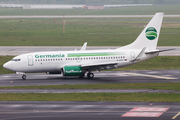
(39, 110)
(135, 76)
(17, 50)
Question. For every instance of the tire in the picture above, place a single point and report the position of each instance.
(90, 75)
(24, 77)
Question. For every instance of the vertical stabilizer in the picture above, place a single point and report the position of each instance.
(149, 36)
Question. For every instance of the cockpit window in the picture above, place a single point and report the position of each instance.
(16, 60)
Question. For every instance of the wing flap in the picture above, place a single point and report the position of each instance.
(99, 66)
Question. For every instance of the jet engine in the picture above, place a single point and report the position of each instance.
(72, 71)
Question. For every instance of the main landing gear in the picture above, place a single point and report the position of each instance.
(90, 75)
(24, 77)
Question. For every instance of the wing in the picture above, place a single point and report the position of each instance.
(96, 66)
(99, 66)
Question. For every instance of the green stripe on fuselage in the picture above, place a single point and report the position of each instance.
(93, 54)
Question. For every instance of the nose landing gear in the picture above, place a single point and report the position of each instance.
(24, 77)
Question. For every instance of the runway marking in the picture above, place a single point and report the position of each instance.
(176, 115)
(153, 76)
(155, 109)
(145, 112)
(142, 114)
(6, 76)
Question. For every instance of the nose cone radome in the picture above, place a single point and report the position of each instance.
(7, 66)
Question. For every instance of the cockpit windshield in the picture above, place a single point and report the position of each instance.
(16, 60)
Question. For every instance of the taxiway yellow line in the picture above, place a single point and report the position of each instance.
(176, 115)
(153, 76)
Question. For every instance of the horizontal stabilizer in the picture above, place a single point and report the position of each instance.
(157, 51)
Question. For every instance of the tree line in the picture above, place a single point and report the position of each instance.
(90, 2)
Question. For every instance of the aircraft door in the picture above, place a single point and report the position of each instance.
(30, 60)
(132, 55)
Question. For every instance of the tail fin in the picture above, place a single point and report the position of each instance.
(149, 36)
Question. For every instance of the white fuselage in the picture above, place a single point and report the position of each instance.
(53, 61)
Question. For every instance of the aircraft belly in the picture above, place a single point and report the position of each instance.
(122, 64)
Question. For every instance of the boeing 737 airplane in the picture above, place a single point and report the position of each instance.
(77, 63)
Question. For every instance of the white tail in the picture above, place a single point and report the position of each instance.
(149, 36)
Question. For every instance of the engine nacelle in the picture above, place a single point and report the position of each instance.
(72, 71)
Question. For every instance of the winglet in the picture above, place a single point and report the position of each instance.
(84, 47)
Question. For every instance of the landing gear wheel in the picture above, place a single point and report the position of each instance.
(90, 75)
(24, 77)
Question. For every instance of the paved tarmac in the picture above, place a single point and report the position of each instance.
(41, 110)
(136, 76)
(17, 50)
(56, 110)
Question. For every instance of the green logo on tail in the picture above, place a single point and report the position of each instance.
(151, 33)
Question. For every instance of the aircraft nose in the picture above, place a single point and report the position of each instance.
(7, 65)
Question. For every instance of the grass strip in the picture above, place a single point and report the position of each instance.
(95, 31)
(154, 86)
(140, 97)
